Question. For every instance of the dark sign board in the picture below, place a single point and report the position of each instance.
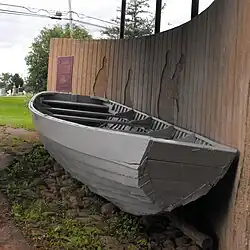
(64, 73)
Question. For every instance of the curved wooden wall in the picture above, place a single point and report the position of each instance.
(196, 76)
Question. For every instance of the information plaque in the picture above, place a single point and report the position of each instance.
(64, 73)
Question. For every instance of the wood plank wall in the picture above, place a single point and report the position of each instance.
(196, 76)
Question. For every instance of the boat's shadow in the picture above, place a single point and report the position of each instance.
(209, 212)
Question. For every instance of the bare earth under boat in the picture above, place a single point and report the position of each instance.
(140, 163)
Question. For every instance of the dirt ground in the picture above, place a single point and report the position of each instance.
(10, 237)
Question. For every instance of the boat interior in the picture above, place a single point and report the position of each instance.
(106, 114)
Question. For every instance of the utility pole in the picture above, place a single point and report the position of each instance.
(70, 19)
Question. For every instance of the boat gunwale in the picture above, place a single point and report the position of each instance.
(214, 145)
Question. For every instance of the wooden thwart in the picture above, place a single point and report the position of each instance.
(75, 104)
(166, 133)
(129, 115)
(145, 123)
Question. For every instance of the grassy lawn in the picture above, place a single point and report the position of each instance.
(14, 112)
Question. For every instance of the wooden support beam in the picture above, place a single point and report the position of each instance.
(158, 16)
(195, 8)
(122, 23)
(202, 240)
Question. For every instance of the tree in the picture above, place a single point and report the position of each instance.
(5, 80)
(17, 80)
(8, 80)
(37, 58)
(139, 21)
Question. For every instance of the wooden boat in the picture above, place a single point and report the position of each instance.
(141, 164)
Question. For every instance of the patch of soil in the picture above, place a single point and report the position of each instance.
(16, 141)
(10, 237)
(21, 133)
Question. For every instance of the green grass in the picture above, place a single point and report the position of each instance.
(14, 112)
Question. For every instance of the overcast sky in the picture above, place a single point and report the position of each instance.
(17, 32)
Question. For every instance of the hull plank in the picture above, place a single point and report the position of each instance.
(190, 154)
(99, 182)
(172, 171)
(141, 164)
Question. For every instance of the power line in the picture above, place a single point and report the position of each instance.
(19, 13)
(32, 10)
(90, 17)
(86, 23)
(52, 12)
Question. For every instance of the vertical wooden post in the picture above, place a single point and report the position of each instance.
(195, 8)
(158, 16)
(122, 23)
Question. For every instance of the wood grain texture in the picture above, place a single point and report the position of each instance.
(207, 71)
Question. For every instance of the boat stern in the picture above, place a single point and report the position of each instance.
(176, 173)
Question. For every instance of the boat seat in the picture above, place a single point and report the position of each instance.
(190, 138)
(167, 133)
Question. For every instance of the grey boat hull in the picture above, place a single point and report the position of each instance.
(140, 174)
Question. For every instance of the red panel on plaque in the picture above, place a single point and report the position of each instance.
(64, 73)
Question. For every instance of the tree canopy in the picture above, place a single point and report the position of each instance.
(37, 58)
(17, 80)
(5, 80)
(139, 21)
(8, 81)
